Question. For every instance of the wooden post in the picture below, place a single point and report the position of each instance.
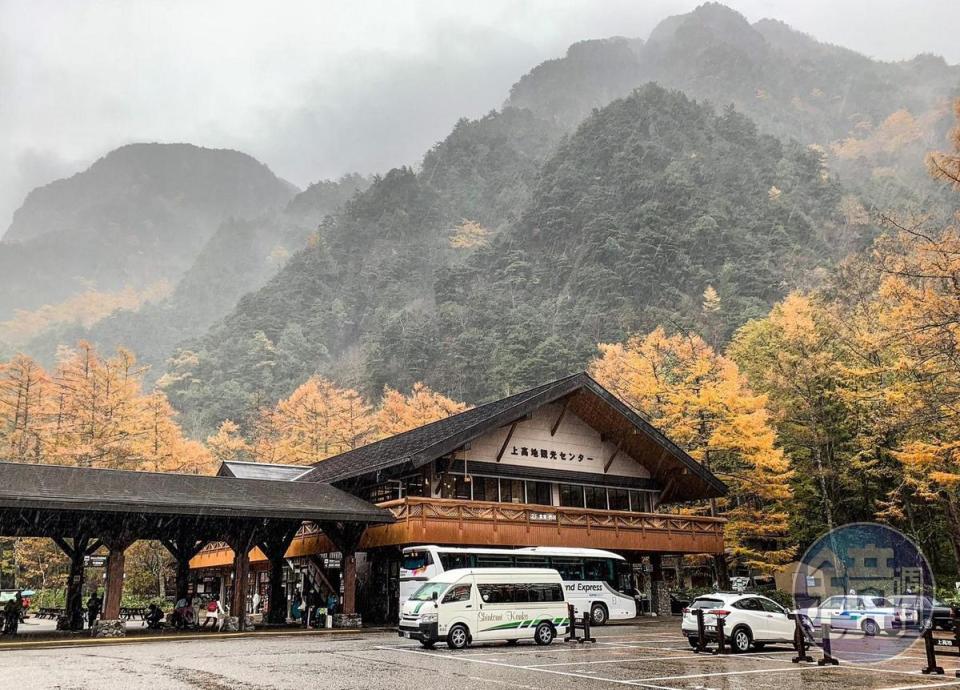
(349, 582)
(346, 537)
(240, 537)
(117, 543)
(274, 545)
(80, 547)
(183, 546)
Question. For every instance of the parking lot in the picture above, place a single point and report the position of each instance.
(651, 654)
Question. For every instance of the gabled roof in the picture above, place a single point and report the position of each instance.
(81, 489)
(682, 477)
(261, 470)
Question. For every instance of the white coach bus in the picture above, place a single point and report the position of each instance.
(597, 581)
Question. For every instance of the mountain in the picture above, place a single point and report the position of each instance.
(790, 84)
(240, 256)
(139, 215)
(621, 227)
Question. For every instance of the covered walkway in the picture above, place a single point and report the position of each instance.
(83, 510)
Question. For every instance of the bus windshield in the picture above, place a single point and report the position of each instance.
(414, 560)
(425, 593)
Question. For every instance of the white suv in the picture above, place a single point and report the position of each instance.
(748, 620)
(870, 614)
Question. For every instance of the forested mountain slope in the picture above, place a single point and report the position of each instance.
(138, 215)
(650, 201)
(240, 257)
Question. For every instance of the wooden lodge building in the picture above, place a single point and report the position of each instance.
(563, 464)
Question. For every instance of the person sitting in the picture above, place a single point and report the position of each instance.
(215, 614)
(183, 613)
(154, 617)
(11, 616)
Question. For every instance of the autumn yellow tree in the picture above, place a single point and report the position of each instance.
(318, 420)
(699, 399)
(228, 443)
(23, 386)
(399, 412)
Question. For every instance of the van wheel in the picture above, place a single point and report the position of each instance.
(544, 634)
(598, 614)
(740, 641)
(458, 637)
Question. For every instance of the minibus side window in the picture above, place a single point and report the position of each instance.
(457, 593)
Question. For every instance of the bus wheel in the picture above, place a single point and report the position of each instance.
(598, 614)
(544, 634)
(458, 637)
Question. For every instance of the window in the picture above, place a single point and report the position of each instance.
(619, 499)
(571, 496)
(489, 560)
(837, 582)
(706, 604)
(511, 491)
(486, 489)
(597, 569)
(750, 604)
(452, 561)
(540, 493)
(569, 568)
(383, 492)
(771, 606)
(545, 592)
(640, 502)
(869, 562)
(455, 486)
(457, 593)
(415, 485)
(596, 497)
(416, 559)
(532, 562)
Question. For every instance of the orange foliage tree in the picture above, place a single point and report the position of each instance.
(399, 412)
(699, 399)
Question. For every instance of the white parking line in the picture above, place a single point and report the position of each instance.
(926, 685)
(728, 673)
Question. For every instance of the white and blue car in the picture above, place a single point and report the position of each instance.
(869, 614)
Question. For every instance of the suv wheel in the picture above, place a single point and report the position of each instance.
(598, 614)
(458, 637)
(740, 640)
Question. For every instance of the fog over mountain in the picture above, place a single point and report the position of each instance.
(318, 90)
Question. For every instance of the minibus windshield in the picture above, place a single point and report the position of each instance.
(425, 593)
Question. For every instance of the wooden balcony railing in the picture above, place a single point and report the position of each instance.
(448, 521)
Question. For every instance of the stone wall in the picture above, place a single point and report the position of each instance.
(347, 620)
(109, 628)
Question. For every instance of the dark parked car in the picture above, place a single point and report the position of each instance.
(926, 608)
(678, 602)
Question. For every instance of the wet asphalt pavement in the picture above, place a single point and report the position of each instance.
(650, 654)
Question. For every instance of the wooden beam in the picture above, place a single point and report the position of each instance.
(613, 455)
(563, 411)
(506, 441)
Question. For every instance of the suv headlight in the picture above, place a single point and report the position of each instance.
(428, 618)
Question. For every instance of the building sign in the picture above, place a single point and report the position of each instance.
(94, 561)
(543, 517)
(544, 453)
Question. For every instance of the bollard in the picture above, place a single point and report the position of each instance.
(799, 640)
(932, 668)
(721, 638)
(571, 635)
(586, 629)
(701, 633)
(825, 643)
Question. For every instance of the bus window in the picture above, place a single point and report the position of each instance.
(569, 568)
(533, 562)
(491, 560)
(597, 569)
(414, 560)
(624, 573)
(452, 561)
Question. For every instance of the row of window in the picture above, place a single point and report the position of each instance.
(519, 594)
(541, 493)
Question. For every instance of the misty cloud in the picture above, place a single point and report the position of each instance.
(318, 89)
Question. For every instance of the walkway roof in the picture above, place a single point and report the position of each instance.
(39, 490)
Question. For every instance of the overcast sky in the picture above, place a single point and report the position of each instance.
(318, 88)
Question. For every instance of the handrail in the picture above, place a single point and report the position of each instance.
(520, 513)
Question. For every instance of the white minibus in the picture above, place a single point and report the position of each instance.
(598, 582)
(467, 605)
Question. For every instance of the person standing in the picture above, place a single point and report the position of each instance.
(94, 604)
